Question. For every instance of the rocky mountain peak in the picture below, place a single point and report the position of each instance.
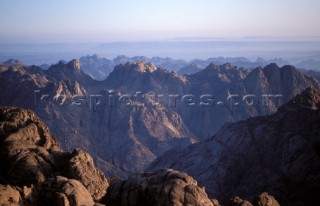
(71, 67)
(309, 98)
(224, 68)
(74, 64)
(13, 62)
(212, 66)
(17, 69)
(70, 71)
(271, 66)
(225, 73)
(229, 66)
(145, 77)
(271, 69)
(137, 67)
(131, 75)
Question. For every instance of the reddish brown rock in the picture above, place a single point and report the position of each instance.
(60, 191)
(81, 167)
(9, 196)
(237, 201)
(265, 200)
(165, 187)
(26, 147)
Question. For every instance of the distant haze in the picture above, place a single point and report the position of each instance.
(40, 53)
(38, 21)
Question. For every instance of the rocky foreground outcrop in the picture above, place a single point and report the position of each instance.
(262, 200)
(164, 187)
(31, 159)
(61, 191)
(28, 154)
(12, 195)
(81, 167)
(168, 187)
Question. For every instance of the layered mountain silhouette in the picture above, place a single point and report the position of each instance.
(277, 153)
(99, 67)
(141, 111)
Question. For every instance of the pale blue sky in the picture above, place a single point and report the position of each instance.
(141, 20)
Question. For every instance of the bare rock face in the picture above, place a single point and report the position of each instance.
(31, 156)
(310, 98)
(60, 191)
(237, 201)
(26, 147)
(70, 72)
(9, 196)
(13, 195)
(165, 187)
(215, 202)
(81, 167)
(17, 85)
(144, 77)
(265, 200)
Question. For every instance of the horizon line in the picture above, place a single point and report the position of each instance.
(181, 39)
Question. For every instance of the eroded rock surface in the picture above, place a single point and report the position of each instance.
(81, 167)
(27, 150)
(265, 200)
(9, 196)
(165, 187)
(237, 201)
(30, 156)
(61, 191)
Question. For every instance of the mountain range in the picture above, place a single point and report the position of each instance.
(141, 111)
(99, 67)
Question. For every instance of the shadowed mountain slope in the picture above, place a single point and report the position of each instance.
(278, 153)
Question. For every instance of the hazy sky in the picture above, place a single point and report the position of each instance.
(136, 20)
